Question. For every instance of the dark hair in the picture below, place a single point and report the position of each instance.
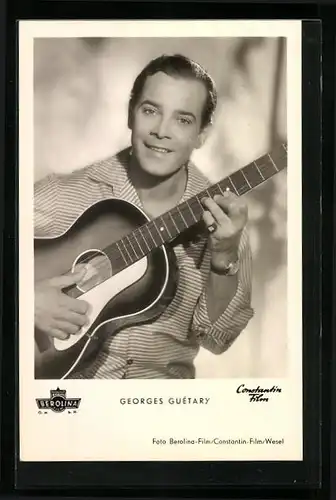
(178, 66)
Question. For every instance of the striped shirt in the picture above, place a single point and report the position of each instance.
(167, 347)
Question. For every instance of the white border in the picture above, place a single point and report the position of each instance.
(113, 436)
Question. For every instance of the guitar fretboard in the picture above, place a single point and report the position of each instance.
(167, 227)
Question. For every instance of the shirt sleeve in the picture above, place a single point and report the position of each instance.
(45, 205)
(217, 337)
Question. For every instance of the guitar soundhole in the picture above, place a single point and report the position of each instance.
(97, 268)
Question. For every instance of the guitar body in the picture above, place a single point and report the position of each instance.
(134, 295)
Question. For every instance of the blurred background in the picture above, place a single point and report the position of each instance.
(81, 90)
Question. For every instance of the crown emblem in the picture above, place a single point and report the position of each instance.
(57, 393)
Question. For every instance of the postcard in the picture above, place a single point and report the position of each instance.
(160, 241)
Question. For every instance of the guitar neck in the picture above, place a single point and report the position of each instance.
(168, 226)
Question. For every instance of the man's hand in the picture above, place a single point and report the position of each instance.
(226, 217)
(56, 314)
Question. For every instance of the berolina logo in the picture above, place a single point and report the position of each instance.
(58, 402)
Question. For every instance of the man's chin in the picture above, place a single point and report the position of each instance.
(159, 171)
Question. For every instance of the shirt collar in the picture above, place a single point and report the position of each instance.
(108, 170)
(113, 172)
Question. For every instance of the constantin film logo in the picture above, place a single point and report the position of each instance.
(58, 402)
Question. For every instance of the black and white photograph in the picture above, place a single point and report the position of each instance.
(119, 219)
(160, 212)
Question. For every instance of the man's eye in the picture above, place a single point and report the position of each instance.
(185, 121)
(148, 111)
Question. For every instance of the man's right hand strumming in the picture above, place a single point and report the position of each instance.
(56, 314)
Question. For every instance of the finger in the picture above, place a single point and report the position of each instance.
(215, 210)
(68, 279)
(58, 334)
(66, 327)
(75, 305)
(232, 205)
(225, 200)
(73, 317)
(208, 219)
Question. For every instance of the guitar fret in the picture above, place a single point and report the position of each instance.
(255, 164)
(143, 237)
(135, 239)
(121, 253)
(249, 185)
(151, 234)
(166, 227)
(159, 231)
(134, 243)
(179, 211)
(278, 156)
(239, 182)
(187, 214)
(234, 187)
(273, 163)
(211, 191)
(225, 185)
(199, 202)
(179, 219)
(191, 211)
(171, 224)
(216, 190)
(172, 218)
(128, 239)
(123, 242)
(266, 168)
(197, 208)
(252, 175)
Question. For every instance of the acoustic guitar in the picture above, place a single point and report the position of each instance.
(131, 272)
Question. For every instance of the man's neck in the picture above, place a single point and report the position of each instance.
(158, 194)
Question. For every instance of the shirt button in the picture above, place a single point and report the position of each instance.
(200, 332)
(130, 361)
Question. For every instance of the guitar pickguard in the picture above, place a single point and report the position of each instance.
(99, 296)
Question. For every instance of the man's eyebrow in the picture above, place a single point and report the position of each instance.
(152, 103)
(179, 111)
(186, 113)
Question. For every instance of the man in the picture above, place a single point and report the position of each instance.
(170, 114)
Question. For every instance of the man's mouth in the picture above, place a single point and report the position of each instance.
(158, 149)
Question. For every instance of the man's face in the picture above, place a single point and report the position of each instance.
(166, 123)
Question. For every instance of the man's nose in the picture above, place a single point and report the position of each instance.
(162, 128)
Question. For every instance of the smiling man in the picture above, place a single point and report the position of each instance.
(170, 114)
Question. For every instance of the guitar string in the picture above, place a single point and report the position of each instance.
(184, 207)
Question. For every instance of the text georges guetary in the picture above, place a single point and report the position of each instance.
(185, 400)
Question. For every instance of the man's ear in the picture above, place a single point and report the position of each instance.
(130, 118)
(202, 136)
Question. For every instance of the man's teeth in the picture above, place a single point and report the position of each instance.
(159, 150)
